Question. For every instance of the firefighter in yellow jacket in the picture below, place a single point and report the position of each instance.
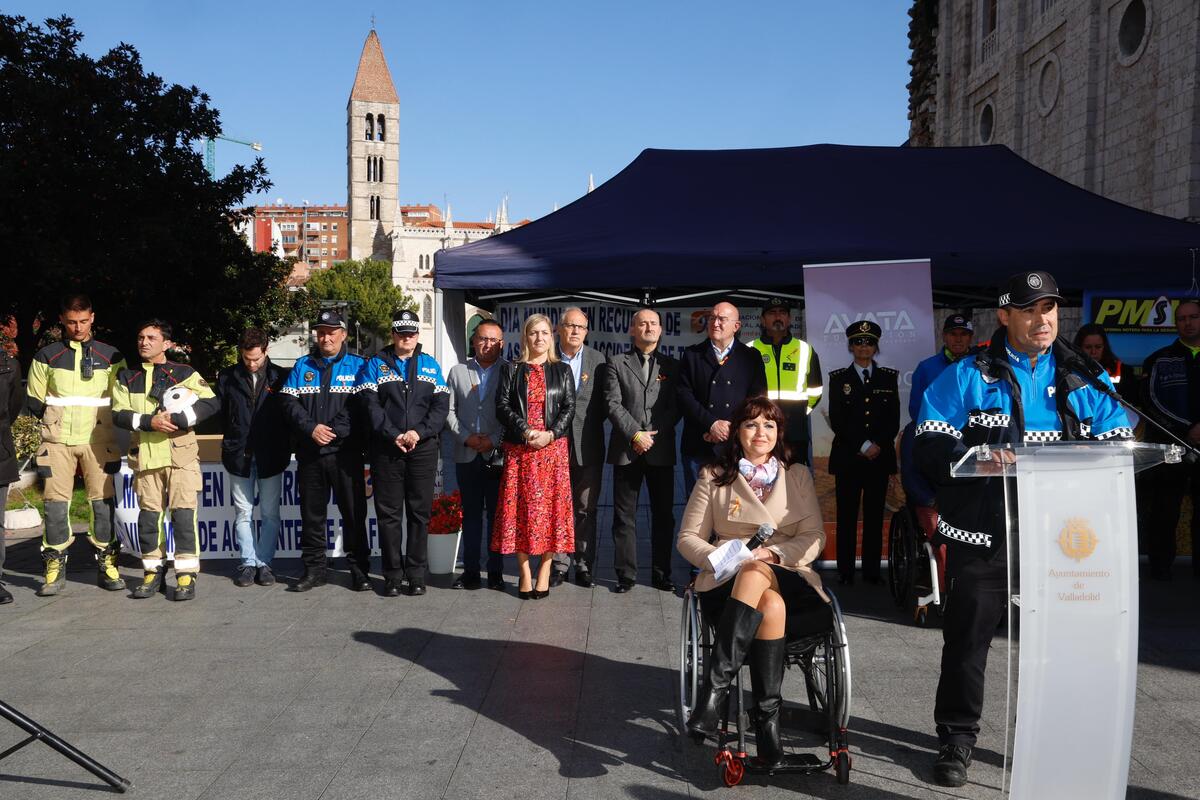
(70, 391)
(161, 402)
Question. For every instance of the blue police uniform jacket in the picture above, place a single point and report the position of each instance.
(923, 377)
(403, 394)
(998, 397)
(320, 391)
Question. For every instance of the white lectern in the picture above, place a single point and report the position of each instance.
(1075, 527)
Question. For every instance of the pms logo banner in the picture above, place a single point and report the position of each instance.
(1124, 313)
(1137, 323)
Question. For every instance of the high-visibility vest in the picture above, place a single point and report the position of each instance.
(787, 377)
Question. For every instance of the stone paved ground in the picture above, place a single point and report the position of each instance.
(248, 693)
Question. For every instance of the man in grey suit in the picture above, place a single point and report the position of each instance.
(472, 422)
(587, 443)
(639, 390)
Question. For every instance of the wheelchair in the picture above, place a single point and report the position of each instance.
(916, 566)
(824, 660)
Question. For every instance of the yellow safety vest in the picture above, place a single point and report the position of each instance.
(787, 378)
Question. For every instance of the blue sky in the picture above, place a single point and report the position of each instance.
(525, 97)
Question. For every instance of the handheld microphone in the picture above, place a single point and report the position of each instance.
(760, 536)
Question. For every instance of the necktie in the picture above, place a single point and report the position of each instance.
(866, 376)
(646, 369)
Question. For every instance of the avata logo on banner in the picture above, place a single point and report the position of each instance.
(888, 320)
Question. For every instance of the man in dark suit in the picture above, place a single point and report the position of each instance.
(586, 442)
(639, 389)
(714, 376)
(864, 413)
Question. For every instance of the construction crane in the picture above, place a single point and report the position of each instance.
(210, 152)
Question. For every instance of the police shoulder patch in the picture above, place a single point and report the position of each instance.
(766, 358)
(385, 369)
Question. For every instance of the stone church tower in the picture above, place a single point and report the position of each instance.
(373, 156)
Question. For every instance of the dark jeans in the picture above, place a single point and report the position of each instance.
(480, 487)
(341, 473)
(868, 487)
(1167, 486)
(627, 485)
(974, 608)
(4, 495)
(403, 494)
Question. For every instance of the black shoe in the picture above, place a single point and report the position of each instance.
(539, 595)
(468, 580)
(359, 581)
(557, 577)
(309, 580)
(662, 584)
(731, 644)
(244, 577)
(584, 578)
(496, 581)
(623, 586)
(5, 596)
(414, 588)
(950, 769)
(845, 580)
(265, 577)
(390, 588)
(766, 680)
(524, 595)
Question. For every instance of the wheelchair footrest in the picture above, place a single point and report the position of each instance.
(792, 762)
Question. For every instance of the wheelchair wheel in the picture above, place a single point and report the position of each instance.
(691, 635)
(842, 767)
(827, 671)
(902, 556)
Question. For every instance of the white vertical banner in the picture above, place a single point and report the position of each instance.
(897, 295)
(1079, 623)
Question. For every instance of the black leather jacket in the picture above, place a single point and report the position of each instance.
(511, 406)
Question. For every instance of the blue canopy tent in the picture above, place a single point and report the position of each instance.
(703, 221)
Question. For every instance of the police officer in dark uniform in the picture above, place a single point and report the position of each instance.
(406, 402)
(864, 413)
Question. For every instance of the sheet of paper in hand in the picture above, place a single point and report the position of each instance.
(726, 559)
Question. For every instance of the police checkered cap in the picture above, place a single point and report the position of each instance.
(1026, 288)
(405, 321)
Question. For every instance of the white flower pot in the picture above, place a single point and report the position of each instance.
(443, 552)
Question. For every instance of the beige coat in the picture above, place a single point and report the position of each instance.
(733, 512)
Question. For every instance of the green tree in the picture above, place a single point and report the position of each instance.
(103, 190)
(367, 286)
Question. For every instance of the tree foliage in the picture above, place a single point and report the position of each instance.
(103, 190)
(367, 286)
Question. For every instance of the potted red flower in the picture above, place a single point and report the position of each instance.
(445, 531)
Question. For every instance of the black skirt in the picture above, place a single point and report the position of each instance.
(807, 613)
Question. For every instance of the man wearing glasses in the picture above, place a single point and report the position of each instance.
(714, 376)
(478, 460)
(586, 443)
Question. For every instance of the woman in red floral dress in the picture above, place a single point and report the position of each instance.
(535, 402)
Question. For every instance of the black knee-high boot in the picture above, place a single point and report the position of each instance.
(766, 681)
(735, 633)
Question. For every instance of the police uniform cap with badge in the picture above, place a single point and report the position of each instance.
(958, 322)
(405, 322)
(330, 318)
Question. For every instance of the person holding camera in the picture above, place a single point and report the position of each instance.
(70, 390)
(478, 459)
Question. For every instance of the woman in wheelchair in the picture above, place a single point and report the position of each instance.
(750, 485)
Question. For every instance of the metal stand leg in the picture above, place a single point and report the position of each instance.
(38, 733)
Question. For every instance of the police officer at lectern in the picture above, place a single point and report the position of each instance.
(1025, 388)
(864, 413)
